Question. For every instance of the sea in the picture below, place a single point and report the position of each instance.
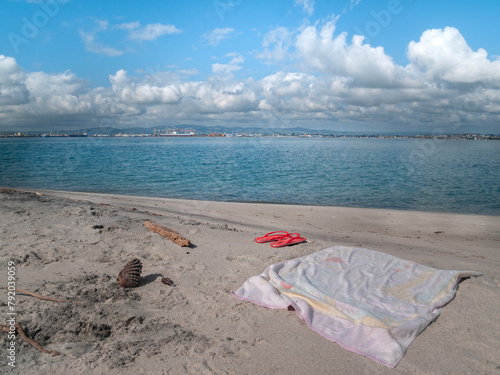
(456, 176)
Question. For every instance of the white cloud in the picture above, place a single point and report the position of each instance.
(217, 35)
(42, 99)
(143, 92)
(276, 44)
(307, 6)
(12, 89)
(366, 65)
(101, 25)
(128, 26)
(57, 93)
(217, 97)
(10, 73)
(445, 55)
(45, 86)
(354, 3)
(236, 58)
(135, 32)
(93, 45)
(188, 72)
(445, 83)
(152, 32)
(225, 70)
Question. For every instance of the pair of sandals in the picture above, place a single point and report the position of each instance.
(281, 238)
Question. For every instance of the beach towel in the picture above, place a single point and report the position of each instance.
(369, 302)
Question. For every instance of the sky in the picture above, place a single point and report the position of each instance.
(342, 65)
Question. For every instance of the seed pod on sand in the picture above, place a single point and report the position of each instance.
(167, 281)
(130, 274)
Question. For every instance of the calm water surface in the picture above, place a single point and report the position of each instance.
(426, 175)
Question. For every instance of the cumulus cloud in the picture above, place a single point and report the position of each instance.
(366, 65)
(354, 81)
(445, 55)
(217, 97)
(217, 35)
(299, 95)
(10, 73)
(43, 86)
(57, 93)
(129, 91)
(12, 89)
(152, 32)
(39, 98)
(337, 82)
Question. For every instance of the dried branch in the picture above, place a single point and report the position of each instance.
(33, 342)
(167, 233)
(21, 333)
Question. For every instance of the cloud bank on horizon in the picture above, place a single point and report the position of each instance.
(315, 76)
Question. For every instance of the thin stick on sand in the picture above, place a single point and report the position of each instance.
(21, 291)
(21, 333)
(167, 233)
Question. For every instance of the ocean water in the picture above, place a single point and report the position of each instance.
(424, 175)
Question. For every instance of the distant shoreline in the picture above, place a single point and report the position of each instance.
(465, 137)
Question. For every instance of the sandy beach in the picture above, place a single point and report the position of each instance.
(72, 246)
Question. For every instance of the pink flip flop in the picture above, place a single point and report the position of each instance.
(291, 239)
(272, 236)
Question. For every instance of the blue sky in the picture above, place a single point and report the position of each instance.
(341, 65)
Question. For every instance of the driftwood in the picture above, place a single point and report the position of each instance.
(32, 342)
(167, 233)
(21, 291)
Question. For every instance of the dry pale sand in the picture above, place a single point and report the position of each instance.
(72, 245)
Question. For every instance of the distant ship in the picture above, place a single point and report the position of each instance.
(177, 133)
